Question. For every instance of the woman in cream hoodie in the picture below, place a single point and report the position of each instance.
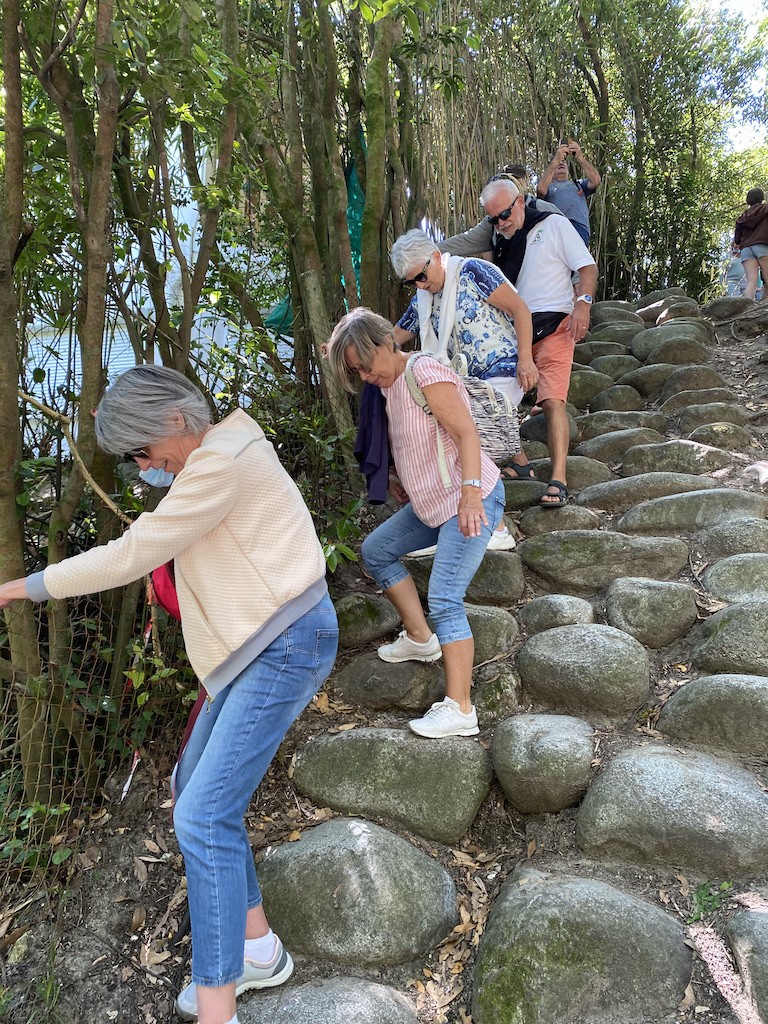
(259, 629)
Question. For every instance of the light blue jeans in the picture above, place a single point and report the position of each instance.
(227, 756)
(457, 559)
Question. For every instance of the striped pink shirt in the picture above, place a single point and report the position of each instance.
(414, 446)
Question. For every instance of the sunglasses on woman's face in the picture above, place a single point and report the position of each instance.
(139, 453)
(420, 278)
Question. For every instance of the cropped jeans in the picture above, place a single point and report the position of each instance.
(456, 561)
(227, 756)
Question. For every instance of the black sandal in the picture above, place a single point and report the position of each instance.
(561, 498)
(524, 472)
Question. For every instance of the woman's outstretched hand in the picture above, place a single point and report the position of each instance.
(14, 590)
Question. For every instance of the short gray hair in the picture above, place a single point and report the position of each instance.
(497, 187)
(365, 331)
(139, 408)
(411, 249)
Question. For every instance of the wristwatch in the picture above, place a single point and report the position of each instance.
(585, 298)
(471, 483)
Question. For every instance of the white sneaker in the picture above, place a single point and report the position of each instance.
(501, 540)
(405, 649)
(445, 719)
(422, 552)
(255, 975)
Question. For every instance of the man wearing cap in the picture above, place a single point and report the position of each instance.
(539, 253)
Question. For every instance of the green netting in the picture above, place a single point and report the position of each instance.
(280, 317)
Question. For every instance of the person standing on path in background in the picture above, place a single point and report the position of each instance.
(751, 235)
(556, 186)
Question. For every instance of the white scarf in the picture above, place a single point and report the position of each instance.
(437, 345)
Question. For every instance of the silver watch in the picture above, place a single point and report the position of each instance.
(471, 483)
(585, 298)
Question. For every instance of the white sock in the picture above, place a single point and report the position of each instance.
(234, 1020)
(262, 949)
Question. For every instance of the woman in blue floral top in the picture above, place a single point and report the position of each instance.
(467, 307)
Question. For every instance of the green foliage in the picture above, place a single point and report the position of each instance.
(707, 898)
(26, 829)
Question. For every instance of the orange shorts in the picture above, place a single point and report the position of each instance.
(553, 357)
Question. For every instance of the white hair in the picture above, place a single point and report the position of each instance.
(498, 187)
(410, 250)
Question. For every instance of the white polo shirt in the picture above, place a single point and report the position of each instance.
(553, 251)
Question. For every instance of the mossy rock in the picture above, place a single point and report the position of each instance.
(620, 398)
(610, 447)
(729, 436)
(620, 495)
(680, 456)
(691, 378)
(364, 618)
(553, 610)
(683, 399)
(585, 384)
(614, 366)
(596, 423)
(648, 380)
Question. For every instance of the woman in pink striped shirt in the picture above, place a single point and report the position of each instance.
(458, 512)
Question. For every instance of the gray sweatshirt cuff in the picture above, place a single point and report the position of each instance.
(36, 590)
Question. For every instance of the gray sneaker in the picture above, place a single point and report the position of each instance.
(405, 649)
(255, 975)
(445, 718)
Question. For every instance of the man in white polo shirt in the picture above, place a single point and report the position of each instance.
(539, 253)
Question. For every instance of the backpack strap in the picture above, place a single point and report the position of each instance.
(418, 396)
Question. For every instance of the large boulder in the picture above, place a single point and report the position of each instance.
(738, 578)
(620, 397)
(604, 422)
(585, 384)
(585, 561)
(581, 471)
(678, 333)
(350, 892)
(614, 366)
(727, 307)
(681, 351)
(584, 353)
(619, 495)
(683, 399)
(519, 494)
(711, 412)
(585, 668)
(552, 610)
(658, 293)
(725, 711)
(655, 805)
(747, 935)
(601, 314)
(683, 513)
(535, 521)
(494, 630)
(556, 952)
(652, 611)
(619, 333)
(691, 378)
(729, 436)
(684, 308)
(543, 762)
(733, 538)
(535, 428)
(648, 380)
(434, 788)
(610, 447)
(364, 618)
(330, 1000)
(674, 457)
(733, 640)
(499, 579)
(369, 682)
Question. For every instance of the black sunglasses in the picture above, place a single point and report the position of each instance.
(420, 278)
(138, 454)
(501, 216)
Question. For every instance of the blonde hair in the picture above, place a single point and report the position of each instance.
(365, 331)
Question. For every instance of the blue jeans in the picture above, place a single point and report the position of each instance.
(227, 756)
(457, 559)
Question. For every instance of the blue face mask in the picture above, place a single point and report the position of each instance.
(156, 477)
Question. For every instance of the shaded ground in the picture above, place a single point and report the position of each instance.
(111, 942)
